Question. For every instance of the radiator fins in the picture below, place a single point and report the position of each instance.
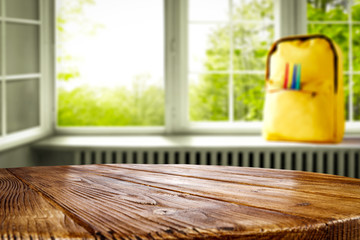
(345, 163)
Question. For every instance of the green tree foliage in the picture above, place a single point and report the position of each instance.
(356, 97)
(120, 106)
(327, 10)
(209, 98)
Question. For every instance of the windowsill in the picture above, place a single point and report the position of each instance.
(180, 141)
(24, 137)
(203, 128)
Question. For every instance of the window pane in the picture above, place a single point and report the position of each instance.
(337, 32)
(251, 44)
(217, 51)
(209, 97)
(208, 10)
(248, 97)
(356, 47)
(22, 99)
(22, 48)
(28, 9)
(355, 10)
(209, 47)
(253, 10)
(333, 10)
(110, 63)
(356, 97)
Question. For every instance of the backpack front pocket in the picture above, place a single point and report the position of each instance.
(299, 116)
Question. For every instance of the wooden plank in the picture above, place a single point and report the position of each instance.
(284, 179)
(283, 200)
(25, 214)
(210, 202)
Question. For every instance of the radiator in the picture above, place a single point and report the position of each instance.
(339, 162)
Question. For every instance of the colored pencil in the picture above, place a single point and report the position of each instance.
(298, 76)
(293, 85)
(286, 79)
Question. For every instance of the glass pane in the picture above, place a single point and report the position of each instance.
(330, 10)
(22, 99)
(208, 97)
(110, 63)
(346, 96)
(251, 44)
(356, 97)
(249, 97)
(356, 47)
(209, 47)
(28, 9)
(253, 10)
(355, 10)
(209, 10)
(337, 32)
(22, 46)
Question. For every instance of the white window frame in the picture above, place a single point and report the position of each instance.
(222, 127)
(10, 140)
(176, 88)
(179, 122)
(121, 130)
(290, 19)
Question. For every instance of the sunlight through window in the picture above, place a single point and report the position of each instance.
(110, 64)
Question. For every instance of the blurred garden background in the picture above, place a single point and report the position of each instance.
(235, 57)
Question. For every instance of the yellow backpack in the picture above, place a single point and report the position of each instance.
(304, 90)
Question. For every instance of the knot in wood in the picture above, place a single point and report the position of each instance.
(164, 211)
(303, 204)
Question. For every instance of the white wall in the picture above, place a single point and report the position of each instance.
(17, 157)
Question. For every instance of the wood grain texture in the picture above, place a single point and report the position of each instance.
(119, 201)
(24, 214)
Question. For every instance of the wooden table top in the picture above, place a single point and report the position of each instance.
(119, 201)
